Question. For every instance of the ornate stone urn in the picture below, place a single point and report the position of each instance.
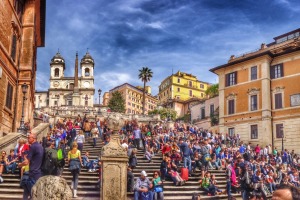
(114, 164)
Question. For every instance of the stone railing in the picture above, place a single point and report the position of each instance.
(10, 140)
(37, 121)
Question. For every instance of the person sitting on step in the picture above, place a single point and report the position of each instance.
(142, 187)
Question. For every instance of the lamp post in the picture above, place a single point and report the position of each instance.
(22, 128)
(282, 136)
(99, 92)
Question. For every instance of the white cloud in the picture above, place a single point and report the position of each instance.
(156, 25)
(110, 80)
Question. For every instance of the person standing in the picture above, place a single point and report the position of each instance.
(75, 162)
(34, 159)
(80, 139)
(137, 137)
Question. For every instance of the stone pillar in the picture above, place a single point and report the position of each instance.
(265, 135)
(114, 167)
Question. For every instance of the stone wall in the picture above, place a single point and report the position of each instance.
(9, 141)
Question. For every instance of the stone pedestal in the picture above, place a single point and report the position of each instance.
(114, 170)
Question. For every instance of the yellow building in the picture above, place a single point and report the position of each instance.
(181, 86)
(134, 98)
(177, 91)
(259, 93)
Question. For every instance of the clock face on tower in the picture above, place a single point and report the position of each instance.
(86, 84)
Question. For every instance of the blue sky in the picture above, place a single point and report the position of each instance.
(187, 35)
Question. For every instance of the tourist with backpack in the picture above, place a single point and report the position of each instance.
(49, 166)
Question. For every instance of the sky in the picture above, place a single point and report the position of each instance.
(166, 36)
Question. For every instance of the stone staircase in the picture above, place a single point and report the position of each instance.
(10, 190)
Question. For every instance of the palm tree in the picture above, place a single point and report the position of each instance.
(212, 90)
(145, 75)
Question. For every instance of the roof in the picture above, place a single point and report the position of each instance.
(271, 52)
(140, 90)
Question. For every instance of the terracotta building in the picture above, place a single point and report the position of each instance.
(134, 98)
(259, 94)
(22, 30)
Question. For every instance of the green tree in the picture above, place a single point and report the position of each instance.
(212, 90)
(165, 113)
(117, 102)
(145, 75)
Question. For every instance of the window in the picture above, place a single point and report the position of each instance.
(231, 131)
(19, 8)
(13, 47)
(231, 79)
(72, 86)
(55, 103)
(178, 89)
(201, 86)
(279, 131)
(278, 100)
(86, 103)
(56, 72)
(129, 111)
(190, 83)
(69, 103)
(212, 109)
(254, 73)
(253, 102)
(202, 95)
(191, 93)
(203, 113)
(87, 72)
(231, 107)
(254, 132)
(129, 103)
(9, 96)
(276, 71)
(178, 80)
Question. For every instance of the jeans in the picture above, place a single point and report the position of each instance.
(100, 131)
(11, 167)
(228, 188)
(136, 143)
(138, 194)
(87, 134)
(187, 163)
(158, 195)
(57, 141)
(94, 140)
(80, 147)
(75, 174)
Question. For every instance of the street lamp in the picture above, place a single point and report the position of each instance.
(99, 92)
(22, 128)
(282, 136)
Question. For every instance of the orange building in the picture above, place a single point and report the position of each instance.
(259, 93)
(22, 30)
(133, 97)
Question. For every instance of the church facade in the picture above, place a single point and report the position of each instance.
(64, 92)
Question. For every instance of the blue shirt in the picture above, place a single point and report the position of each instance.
(137, 134)
(35, 156)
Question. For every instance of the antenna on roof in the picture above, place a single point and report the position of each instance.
(58, 50)
(172, 70)
(87, 50)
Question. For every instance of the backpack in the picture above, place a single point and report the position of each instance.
(50, 161)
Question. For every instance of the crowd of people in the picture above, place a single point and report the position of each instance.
(251, 170)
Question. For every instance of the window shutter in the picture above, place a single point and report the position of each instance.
(281, 70)
(227, 80)
(272, 72)
(280, 100)
(235, 78)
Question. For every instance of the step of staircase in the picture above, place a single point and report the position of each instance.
(10, 190)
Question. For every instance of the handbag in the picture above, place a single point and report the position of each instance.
(158, 188)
